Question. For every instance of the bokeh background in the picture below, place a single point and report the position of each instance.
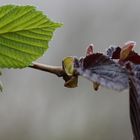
(36, 106)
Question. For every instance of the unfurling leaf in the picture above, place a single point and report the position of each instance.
(124, 53)
(131, 61)
(126, 50)
(101, 69)
(24, 35)
(68, 65)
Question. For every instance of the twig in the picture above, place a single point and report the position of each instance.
(57, 70)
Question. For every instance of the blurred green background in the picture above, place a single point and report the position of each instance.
(36, 106)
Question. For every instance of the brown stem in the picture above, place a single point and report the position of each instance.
(57, 70)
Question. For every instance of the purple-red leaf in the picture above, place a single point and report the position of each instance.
(118, 75)
(100, 68)
(133, 57)
(125, 53)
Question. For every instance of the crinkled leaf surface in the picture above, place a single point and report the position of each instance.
(24, 35)
(100, 68)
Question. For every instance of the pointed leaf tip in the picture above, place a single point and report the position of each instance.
(126, 49)
(89, 50)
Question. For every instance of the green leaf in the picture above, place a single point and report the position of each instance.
(24, 35)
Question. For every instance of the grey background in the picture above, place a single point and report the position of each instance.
(36, 106)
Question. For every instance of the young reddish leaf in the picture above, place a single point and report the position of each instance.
(100, 68)
(114, 52)
(130, 59)
(133, 57)
(92, 60)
